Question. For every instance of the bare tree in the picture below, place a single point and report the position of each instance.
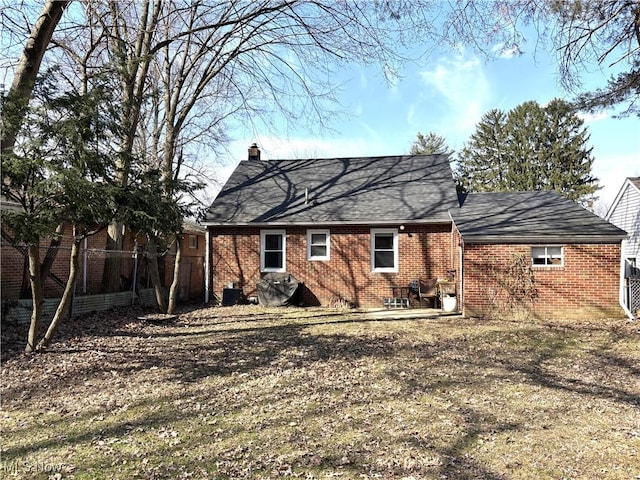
(188, 69)
(27, 70)
(584, 35)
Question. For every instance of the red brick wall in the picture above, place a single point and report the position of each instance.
(12, 265)
(192, 266)
(424, 252)
(586, 286)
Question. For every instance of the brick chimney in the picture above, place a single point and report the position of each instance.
(254, 152)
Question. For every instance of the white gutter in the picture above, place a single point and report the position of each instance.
(207, 266)
(461, 294)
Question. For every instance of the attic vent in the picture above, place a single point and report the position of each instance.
(254, 152)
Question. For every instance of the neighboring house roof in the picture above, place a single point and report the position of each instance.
(631, 185)
(366, 190)
(530, 217)
(192, 227)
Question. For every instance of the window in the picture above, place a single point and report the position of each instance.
(193, 241)
(384, 250)
(272, 251)
(318, 244)
(547, 256)
(631, 267)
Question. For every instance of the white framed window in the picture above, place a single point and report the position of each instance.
(384, 249)
(193, 241)
(547, 255)
(273, 251)
(318, 244)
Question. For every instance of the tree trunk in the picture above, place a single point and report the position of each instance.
(27, 69)
(113, 263)
(45, 267)
(52, 253)
(152, 256)
(36, 295)
(173, 291)
(67, 296)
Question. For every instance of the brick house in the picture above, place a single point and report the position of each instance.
(354, 228)
(572, 255)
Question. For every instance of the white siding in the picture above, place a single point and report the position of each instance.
(626, 215)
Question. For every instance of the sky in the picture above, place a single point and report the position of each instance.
(447, 95)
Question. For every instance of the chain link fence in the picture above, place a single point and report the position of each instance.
(90, 294)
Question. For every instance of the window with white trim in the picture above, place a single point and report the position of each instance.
(272, 251)
(318, 244)
(547, 255)
(384, 249)
(193, 241)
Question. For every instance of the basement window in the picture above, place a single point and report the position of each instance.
(318, 244)
(384, 249)
(547, 256)
(272, 251)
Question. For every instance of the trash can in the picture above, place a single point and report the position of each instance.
(449, 303)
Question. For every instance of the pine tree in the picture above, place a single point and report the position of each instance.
(430, 144)
(530, 148)
(474, 172)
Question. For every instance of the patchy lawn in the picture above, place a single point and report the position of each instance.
(245, 392)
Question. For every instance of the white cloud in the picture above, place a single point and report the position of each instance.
(593, 117)
(463, 87)
(612, 171)
(411, 113)
(506, 53)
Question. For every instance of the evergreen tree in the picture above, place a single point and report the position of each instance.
(59, 172)
(474, 172)
(430, 144)
(530, 148)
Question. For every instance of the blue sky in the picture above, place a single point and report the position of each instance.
(448, 95)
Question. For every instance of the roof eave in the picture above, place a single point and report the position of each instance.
(539, 239)
(628, 183)
(328, 223)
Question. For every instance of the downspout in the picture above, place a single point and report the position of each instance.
(621, 295)
(84, 265)
(461, 264)
(207, 267)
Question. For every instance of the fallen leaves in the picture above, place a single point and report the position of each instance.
(244, 392)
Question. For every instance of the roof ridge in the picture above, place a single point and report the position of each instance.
(374, 157)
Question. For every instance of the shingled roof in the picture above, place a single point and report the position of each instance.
(364, 190)
(528, 217)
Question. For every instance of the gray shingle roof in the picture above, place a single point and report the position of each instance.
(366, 190)
(525, 217)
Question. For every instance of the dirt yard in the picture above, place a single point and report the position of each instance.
(250, 393)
